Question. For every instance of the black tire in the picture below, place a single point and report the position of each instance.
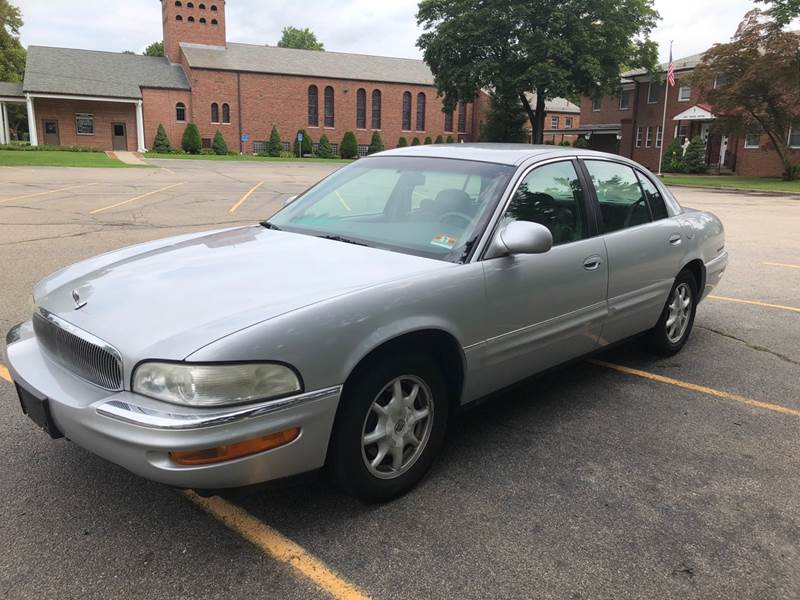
(659, 340)
(346, 462)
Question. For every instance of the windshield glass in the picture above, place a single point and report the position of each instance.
(431, 207)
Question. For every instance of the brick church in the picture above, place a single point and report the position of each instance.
(116, 101)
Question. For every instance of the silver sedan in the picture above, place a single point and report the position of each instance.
(346, 330)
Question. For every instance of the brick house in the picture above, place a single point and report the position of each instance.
(562, 119)
(630, 124)
(116, 101)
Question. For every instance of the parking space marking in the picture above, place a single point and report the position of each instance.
(277, 546)
(782, 265)
(4, 374)
(44, 193)
(756, 303)
(245, 197)
(698, 388)
(164, 189)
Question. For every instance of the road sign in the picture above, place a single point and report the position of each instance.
(245, 137)
(299, 136)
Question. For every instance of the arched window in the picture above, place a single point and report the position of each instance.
(190, 19)
(448, 121)
(214, 7)
(313, 106)
(226, 113)
(420, 112)
(180, 112)
(214, 112)
(329, 109)
(178, 3)
(361, 108)
(214, 22)
(178, 18)
(462, 117)
(189, 5)
(376, 109)
(203, 20)
(201, 6)
(406, 111)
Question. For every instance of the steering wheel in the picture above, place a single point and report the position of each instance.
(631, 210)
(458, 215)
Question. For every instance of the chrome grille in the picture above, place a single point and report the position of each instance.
(88, 357)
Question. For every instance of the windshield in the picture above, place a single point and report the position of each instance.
(431, 207)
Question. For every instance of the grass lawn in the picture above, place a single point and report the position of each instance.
(760, 184)
(244, 157)
(55, 158)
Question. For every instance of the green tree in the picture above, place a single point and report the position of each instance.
(569, 48)
(581, 142)
(154, 49)
(672, 161)
(12, 54)
(274, 146)
(439, 139)
(218, 145)
(324, 150)
(753, 82)
(376, 143)
(349, 146)
(402, 142)
(303, 39)
(449, 140)
(191, 142)
(694, 159)
(161, 141)
(304, 147)
(415, 142)
(782, 11)
(428, 141)
(506, 119)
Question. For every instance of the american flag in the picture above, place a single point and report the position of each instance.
(671, 69)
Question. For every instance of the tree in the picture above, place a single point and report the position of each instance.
(376, 143)
(569, 48)
(506, 119)
(694, 159)
(782, 11)
(439, 139)
(161, 141)
(218, 145)
(12, 54)
(428, 141)
(672, 162)
(324, 150)
(752, 82)
(415, 142)
(154, 49)
(304, 39)
(274, 146)
(449, 140)
(402, 142)
(304, 147)
(191, 142)
(349, 146)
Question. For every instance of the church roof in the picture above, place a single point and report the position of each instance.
(11, 89)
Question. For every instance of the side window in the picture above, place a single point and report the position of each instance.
(552, 196)
(654, 199)
(622, 203)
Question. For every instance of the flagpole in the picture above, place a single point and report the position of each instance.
(664, 116)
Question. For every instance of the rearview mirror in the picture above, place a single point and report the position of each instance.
(521, 237)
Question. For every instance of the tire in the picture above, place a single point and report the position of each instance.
(668, 336)
(368, 405)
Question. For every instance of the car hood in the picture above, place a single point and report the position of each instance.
(168, 299)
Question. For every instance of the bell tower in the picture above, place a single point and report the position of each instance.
(193, 21)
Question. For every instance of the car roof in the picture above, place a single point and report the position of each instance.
(507, 154)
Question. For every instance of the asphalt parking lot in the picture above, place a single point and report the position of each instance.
(626, 477)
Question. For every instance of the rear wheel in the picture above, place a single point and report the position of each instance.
(673, 328)
(390, 426)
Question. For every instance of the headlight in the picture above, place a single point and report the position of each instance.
(214, 385)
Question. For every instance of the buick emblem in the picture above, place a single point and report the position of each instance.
(76, 297)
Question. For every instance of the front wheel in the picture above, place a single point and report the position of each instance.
(673, 328)
(390, 426)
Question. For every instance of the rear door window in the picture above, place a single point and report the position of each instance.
(622, 202)
(654, 198)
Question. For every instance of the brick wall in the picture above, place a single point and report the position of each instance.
(177, 30)
(159, 108)
(762, 161)
(558, 137)
(105, 113)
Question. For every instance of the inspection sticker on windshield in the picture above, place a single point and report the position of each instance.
(444, 240)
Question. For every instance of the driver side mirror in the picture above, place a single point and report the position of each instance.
(521, 237)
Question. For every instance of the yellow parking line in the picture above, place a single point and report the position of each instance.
(164, 189)
(277, 546)
(35, 194)
(756, 303)
(245, 197)
(4, 374)
(698, 388)
(782, 265)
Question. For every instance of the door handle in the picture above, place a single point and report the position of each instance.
(675, 239)
(592, 263)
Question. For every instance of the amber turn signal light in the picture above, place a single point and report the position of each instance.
(208, 456)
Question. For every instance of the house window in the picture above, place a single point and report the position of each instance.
(648, 142)
(794, 136)
(752, 138)
(720, 80)
(313, 106)
(406, 111)
(180, 112)
(567, 122)
(361, 109)
(363, 150)
(659, 136)
(462, 117)
(84, 124)
(624, 100)
(329, 109)
(684, 93)
(681, 132)
(638, 137)
(376, 109)
(652, 93)
(597, 103)
(226, 113)
(420, 112)
(554, 122)
(214, 112)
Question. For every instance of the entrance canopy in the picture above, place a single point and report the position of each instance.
(698, 112)
(10, 93)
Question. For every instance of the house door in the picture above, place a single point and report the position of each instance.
(51, 133)
(714, 146)
(119, 139)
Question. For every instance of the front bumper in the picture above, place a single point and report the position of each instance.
(138, 433)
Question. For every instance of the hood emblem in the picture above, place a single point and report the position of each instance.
(76, 297)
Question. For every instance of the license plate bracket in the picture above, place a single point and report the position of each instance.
(38, 411)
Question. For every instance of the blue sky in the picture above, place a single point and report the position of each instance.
(385, 27)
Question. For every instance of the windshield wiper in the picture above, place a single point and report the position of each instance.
(268, 225)
(339, 238)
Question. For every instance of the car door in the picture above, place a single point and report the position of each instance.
(644, 245)
(544, 309)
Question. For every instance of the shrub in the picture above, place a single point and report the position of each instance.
(564, 143)
(375, 144)
(439, 139)
(402, 142)
(324, 149)
(694, 159)
(581, 142)
(44, 148)
(161, 141)
(286, 154)
(415, 142)
(304, 147)
(449, 140)
(207, 152)
(218, 145)
(428, 141)
(191, 142)
(180, 151)
(274, 147)
(672, 162)
(349, 146)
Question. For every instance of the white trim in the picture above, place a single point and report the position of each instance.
(12, 99)
(33, 135)
(648, 137)
(789, 139)
(682, 87)
(139, 127)
(694, 113)
(89, 98)
(638, 143)
(625, 94)
(755, 146)
(3, 128)
(649, 89)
